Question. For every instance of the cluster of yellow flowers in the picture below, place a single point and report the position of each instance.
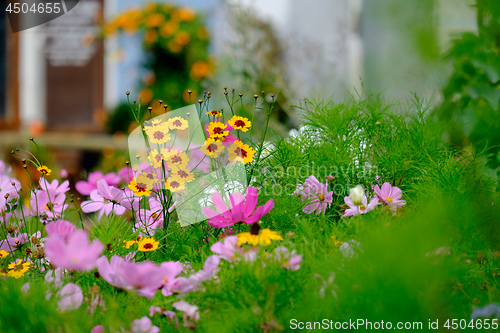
(219, 138)
(175, 160)
(144, 244)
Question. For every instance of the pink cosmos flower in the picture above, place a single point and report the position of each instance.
(74, 254)
(191, 313)
(144, 325)
(184, 285)
(98, 329)
(48, 205)
(12, 243)
(227, 249)
(242, 209)
(150, 219)
(145, 277)
(54, 186)
(60, 228)
(105, 199)
(85, 187)
(389, 195)
(315, 194)
(71, 297)
(364, 208)
(288, 259)
(126, 174)
(8, 186)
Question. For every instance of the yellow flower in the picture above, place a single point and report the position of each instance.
(18, 268)
(240, 123)
(239, 151)
(174, 185)
(158, 134)
(336, 242)
(156, 158)
(212, 148)
(177, 123)
(44, 170)
(263, 238)
(128, 244)
(3, 254)
(181, 175)
(142, 184)
(217, 130)
(177, 160)
(148, 244)
(214, 113)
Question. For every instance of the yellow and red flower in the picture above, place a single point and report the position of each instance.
(181, 175)
(156, 157)
(212, 148)
(217, 130)
(214, 113)
(142, 184)
(177, 159)
(158, 133)
(147, 244)
(178, 123)
(239, 151)
(44, 170)
(18, 268)
(174, 185)
(240, 123)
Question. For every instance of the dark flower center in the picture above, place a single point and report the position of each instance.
(177, 123)
(239, 123)
(218, 130)
(148, 246)
(254, 229)
(240, 152)
(158, 135)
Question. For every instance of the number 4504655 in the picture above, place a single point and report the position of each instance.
(474, 324)
(40, 8)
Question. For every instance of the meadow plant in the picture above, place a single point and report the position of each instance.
(364, 212)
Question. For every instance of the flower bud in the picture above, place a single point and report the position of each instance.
(357, 193)
(329, 178)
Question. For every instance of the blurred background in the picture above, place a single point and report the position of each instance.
(64, 82)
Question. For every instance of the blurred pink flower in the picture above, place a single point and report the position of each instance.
(85, 187)
(242, 209)
(315, 194)
(227, 249)
(191, 313)
(288, 259)
(105, 199)
(145, 277)
(184, 285)
(74, 254)
(98, 329)
(361, 209)
(71, 297)
(60, 228)
(389, 195)
(144, 325)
